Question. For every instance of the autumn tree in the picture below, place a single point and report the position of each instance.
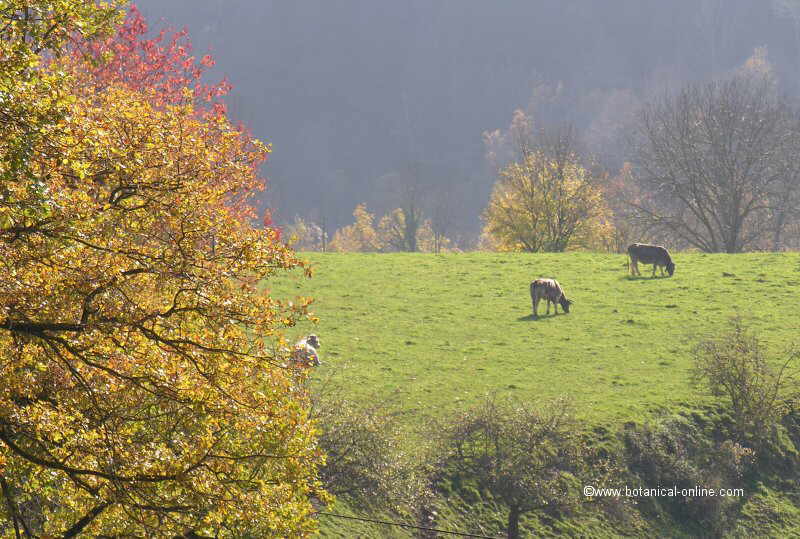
(358, 237)
(163, 63)
(392, 231)
(305, 235)
(405, 190)
(718, 163)
(392, 234)
(421, 200)
(139, 391)
(145, 388)
(442, 221)
(524, 457)
(33, 100)
(161, 67)
(547, 202)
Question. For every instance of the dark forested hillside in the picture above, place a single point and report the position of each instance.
(350, 91)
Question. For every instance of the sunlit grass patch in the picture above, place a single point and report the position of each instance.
(440, 331)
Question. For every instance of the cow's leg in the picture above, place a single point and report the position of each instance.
(654, 268)
(555, 306)
(535, 304)
(548, 305)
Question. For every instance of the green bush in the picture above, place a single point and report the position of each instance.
(734, 366)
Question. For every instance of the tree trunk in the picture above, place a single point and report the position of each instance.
(410, 232)
(513, 523)
(324, 228)
(776, 238)
(732, 241)
(427, 519)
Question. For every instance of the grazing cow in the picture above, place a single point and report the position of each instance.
(305, 351)
(550, 290)
(650, 254)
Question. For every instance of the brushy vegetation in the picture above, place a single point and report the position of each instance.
(434, 335)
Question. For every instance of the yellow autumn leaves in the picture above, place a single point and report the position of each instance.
(391, 234)
(141, 382)
(546, 204)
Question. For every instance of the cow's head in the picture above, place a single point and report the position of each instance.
(565, 303)
(313, 340)
(670, 267)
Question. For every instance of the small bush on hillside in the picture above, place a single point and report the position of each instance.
(606, 471)
(526, 458)
(365, 456)
(734, 367)
(676, 453)
(662, 454)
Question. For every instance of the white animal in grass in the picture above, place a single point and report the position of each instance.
(305, 351)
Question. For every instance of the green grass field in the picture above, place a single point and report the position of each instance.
(434, 333)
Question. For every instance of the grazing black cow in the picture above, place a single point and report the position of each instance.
(550, 290)
(650, 254)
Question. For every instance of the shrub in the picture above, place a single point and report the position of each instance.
(526, 458)
(674, 452)
(734, 367)
(365, 459)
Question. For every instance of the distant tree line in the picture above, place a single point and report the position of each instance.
(398, 230)
(711, 167)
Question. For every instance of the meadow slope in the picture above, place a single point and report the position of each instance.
(434, 333)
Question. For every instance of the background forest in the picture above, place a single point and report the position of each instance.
(366, 102)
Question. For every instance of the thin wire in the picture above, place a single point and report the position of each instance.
(388, 523)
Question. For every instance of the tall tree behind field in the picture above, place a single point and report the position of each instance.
(428, 196)
(410, 191)
(547, 201)
(716, 163)
(359, 236)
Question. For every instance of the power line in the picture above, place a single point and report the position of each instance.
(402, 525)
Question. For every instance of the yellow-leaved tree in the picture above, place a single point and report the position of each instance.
(546, 204)
(146, 388)
(358, 237)
(32, 99)
(393, 234)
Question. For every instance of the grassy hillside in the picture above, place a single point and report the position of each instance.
(436, 332)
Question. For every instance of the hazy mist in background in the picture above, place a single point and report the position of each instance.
(351, 91)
